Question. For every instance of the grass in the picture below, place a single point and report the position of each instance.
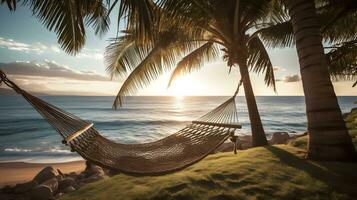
(274, 172)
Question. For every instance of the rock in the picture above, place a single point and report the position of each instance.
(94, 178)
(245, 138)
(246, 145)
(73, 175)
(66, 182)
(111, 172)
(24, 187)
(41, 192)
(96, 170)
(91, 170)
(45, 174)
(68, 189)
(58, 195)
(279, 138)
(10, 196)
(88, 165)
(225, 147)
(8, 189)
(60, 173)
(52, 184)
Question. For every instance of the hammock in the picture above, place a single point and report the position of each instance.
(177, 151)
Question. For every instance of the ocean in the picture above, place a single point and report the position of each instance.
(25, 136)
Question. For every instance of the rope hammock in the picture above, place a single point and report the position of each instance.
(174, 152)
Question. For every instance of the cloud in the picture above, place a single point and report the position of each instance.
(49, 69)
(40, 48)
(27, 48)
(278, 68)
(95, 54)
(290, 78)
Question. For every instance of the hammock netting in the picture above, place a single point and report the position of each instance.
(174, 152)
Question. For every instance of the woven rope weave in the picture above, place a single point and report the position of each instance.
(174, 152)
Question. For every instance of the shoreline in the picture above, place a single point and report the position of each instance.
(20, 172)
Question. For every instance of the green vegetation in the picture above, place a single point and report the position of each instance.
(274, 172)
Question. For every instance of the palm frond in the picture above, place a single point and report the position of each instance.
(11, 4)
(341, 29)
(139, 16)
(68, 18)
(140, 76)
(121, 55)
(194, 60)
(278, 35)
(259, 62)
(342, 61)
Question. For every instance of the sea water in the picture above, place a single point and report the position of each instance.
(25, 136)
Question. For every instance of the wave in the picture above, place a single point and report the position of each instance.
(23, 150)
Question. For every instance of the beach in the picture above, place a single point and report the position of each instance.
(19, 172)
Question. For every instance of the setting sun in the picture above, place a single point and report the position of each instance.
(181, 87)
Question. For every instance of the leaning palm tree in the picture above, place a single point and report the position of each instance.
(185, 34)
(68, 19)
(328, 136)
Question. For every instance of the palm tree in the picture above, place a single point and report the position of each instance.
(192, 31)
(342, 61)
(338, 29)
(68, 19)
(328, 136)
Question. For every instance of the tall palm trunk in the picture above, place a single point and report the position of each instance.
(258, 134)
(328, 136)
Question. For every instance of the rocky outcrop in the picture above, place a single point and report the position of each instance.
(50, 183)
(279, 138)
(45, 174)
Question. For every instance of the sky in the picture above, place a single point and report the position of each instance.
(30, 55)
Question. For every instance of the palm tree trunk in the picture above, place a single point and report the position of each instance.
(328, 136)
(258, 134)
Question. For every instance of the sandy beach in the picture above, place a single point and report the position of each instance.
(18, 172)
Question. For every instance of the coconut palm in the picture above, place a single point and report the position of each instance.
(185, 34)
(338, 29)
(68, 19)
(342, 61)
(328, 136)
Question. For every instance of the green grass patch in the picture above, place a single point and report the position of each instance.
(274, 172)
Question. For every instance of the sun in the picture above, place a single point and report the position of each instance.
(180, 87)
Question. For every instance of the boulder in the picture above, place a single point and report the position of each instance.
(52, 183)
(245, 138)
(111, 172)
(279, 138)
(91, 169)
(246, 145)
(41, 192)
(58, 195)
(73, 175)
(8, 189)
(66, 182)
(45, 174)
(68, 189)
(24, 187)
